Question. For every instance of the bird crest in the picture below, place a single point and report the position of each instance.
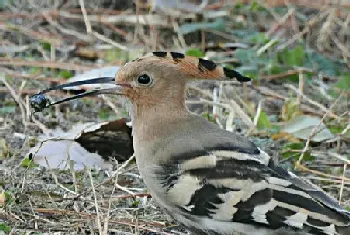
(192, 67)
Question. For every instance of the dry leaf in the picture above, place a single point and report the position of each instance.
(302, 127)
(87, 145)
(57, 154)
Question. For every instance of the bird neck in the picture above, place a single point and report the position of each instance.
(150, 121)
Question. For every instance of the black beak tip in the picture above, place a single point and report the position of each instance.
(39, 101)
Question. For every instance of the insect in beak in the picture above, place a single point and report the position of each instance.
(39, 101)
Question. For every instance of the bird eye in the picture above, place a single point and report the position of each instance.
(144, 79)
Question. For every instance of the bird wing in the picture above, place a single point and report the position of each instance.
(225, 184)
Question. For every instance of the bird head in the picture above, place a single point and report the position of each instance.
(162, 73)
(166, 74)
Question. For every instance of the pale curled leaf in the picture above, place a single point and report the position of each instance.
(302, 127)
(85, 144)
(57, 154)
(76, 131)
(57, 146)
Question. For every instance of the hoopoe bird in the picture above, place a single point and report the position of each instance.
(210, 180)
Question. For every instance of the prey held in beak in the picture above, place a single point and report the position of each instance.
(39, 101)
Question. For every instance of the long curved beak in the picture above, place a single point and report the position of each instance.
(39, 101)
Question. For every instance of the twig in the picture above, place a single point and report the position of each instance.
(315, 130)
(43, 128)
(17, 99)
(258, 112)
(296, 37)
(179, 34)
(56, 179)
(155, 20)
(301, 88)
(340, 157)
(320, 106)
(54, 40)
(90, 215)
(96, 204)
(137, 25)
(267, 46)
(97, 35)
(286, 74)
(346, 129)
(107, 217)
(304, 168)
(64, 30)
(14, 74)
(342, 183)
(44, 64)
(344, 49)
(111, 105)
(281, 20)
(113, 43)
(127, 162)
(86, 20)
(117, 198)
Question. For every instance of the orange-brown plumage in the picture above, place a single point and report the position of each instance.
(171, 70)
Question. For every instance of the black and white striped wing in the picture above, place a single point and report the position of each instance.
(226, 185)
